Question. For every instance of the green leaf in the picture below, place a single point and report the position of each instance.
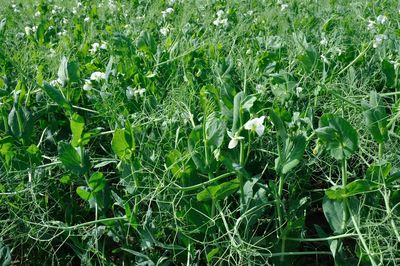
(248, 102)
(56, 96)
(333, 211)
(236, 111)
(211, 254)
(360, 186)
(77, 125)
(389, 72)
(84, 193)
(5, 254)
(97, 182)
(278, 123)
(71, 159)
(73, 72)
(122, 144)
(376, 118)
(220, 191)
(215, 130)
(63, 71)
(378, 172)
(291, 154)
(146, 43)
(338, 136)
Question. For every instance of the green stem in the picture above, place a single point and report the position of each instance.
(355, 224)
(386, 197)
(205, 183)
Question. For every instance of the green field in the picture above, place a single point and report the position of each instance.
(199, 132)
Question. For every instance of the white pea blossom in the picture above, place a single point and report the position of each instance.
(167, 11)
(220, 13)
(87, 19)
(220, 20)
(256, 125)
(97, 76)
(284, 6)
(164, 31)
(88, 85)
(103, 46)
(381, 19)
(371, 25)
(95, 47)
(298, 91)
(235, 138)
(37, 13)
(130, 92)
(323, 41)
(28, 30)
(378, 40)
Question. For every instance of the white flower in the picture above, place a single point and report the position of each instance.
(220, 13)
(378, 40)
(171, 2)
(56, 82)
(164, 31)
(62, 33)
(87, 19)
(324, 59)
(219, 21)
(37, 14)
(95, 47)
(140, 92)
(103, 46)
(323, 41)
(256, 125)
(371, 25)
(284, 6)
(28, 30)
(129, 92)
(97, 76)
(167, 11)
(298, 91)
(235, 138)
(88, 85)
(64, 20)
(381, 19)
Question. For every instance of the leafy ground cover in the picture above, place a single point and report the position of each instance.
(199, 132)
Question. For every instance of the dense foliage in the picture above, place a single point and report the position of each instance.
(200, 132)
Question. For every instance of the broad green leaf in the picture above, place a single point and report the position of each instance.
(196, 149)
(77, 125)
(376, 118)
(63, 71)
(73, 72)
(236, 111)
(20, 122)
(56, 96)
(123, 144)
(220, 191)
(333, 211)
(248, 102)
(71, 159)
(360, 186)
(291, 154)
(390, 73)
(215, 130)
(338, 136)
(5, 254)
(109, 68)
(97, 182)
(146, 43)
(84, 193)
(378, 172)
(278, 123)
